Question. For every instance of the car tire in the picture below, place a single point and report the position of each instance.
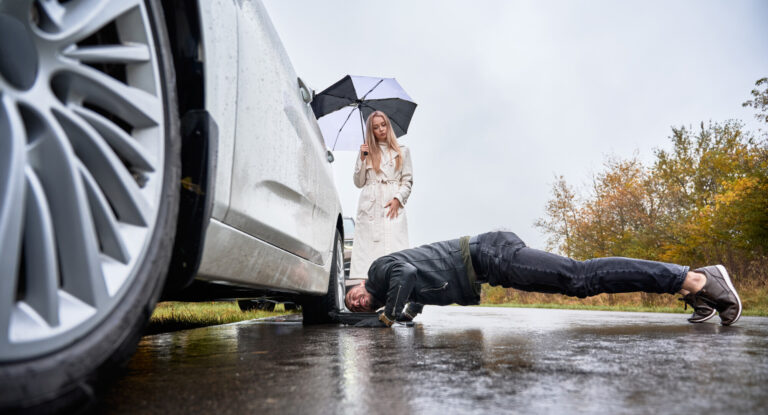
(67, 365)
(267, 306)
(320, 309)
(247, 305)
(251, 305)
(290, 306)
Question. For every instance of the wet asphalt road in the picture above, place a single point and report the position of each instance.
(455, 360)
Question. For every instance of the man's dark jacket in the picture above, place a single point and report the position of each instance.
(430, 274)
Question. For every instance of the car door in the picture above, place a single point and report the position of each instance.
(282, 185)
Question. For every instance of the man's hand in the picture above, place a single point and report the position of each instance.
(394, 208)
(410, 311)
(372, 322)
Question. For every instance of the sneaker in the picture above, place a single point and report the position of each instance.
(719, 293)
(701, 310)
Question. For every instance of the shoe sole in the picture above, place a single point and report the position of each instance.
(727, 278)
(705, 318)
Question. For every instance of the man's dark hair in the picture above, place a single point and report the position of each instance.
(376, 304)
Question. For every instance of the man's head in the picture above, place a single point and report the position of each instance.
(358, 299)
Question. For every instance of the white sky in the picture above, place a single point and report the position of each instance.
(511, 94)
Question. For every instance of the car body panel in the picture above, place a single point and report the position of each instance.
(275, 204)
(218, 20)
(280, 191)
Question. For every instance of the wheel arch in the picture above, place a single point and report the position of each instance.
(199, 142)
(340, 225)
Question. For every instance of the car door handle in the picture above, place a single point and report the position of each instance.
(306, 93)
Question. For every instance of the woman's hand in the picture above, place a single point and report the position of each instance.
(394, 208)
(363, 151)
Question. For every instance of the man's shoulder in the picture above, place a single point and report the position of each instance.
(431, 251)
(380, 265)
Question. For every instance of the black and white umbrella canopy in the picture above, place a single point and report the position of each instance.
(342, 107)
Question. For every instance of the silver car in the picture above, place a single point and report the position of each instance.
(149, 150)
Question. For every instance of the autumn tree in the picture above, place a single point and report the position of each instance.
(707, 178)
(561, 216)
(759, 100)
(702, 201)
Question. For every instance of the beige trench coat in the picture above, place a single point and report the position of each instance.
(375, 234)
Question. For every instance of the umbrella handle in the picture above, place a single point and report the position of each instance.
(365, 153)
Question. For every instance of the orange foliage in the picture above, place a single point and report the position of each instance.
(704, 201)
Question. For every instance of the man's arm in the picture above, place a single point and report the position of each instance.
(401, 280)
(410, 311)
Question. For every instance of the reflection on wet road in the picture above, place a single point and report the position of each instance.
(455, 360)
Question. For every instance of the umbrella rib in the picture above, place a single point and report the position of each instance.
(342, 127)
(371, 90)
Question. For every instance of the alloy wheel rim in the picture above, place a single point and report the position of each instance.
(341, 288)
(81, 165)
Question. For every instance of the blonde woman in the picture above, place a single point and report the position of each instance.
(384, 172)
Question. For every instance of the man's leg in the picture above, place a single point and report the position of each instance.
(506, 261)
(533, 270)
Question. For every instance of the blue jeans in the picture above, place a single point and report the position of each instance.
(501, 258)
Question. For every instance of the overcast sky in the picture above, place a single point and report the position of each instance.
(511, 94)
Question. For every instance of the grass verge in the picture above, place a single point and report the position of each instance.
(172, 315)
(631, 308)
(754, 300)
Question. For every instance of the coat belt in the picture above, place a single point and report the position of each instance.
(382, 181)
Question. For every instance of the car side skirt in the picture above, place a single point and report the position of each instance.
(238, 258)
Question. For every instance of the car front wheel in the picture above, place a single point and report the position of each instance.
(89, 171)
(320, 310)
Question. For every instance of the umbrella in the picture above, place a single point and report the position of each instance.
(353, 98)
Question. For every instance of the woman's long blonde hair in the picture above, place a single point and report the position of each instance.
(373, 146)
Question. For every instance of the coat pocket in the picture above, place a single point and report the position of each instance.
(365, 209)
(439, 288)
(435, 295)
(366, 205)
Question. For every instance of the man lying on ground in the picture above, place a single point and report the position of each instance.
(451, 272)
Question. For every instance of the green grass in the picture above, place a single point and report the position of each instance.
(752, 307)
(633, 308)
(754, 298)
(172, 315)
